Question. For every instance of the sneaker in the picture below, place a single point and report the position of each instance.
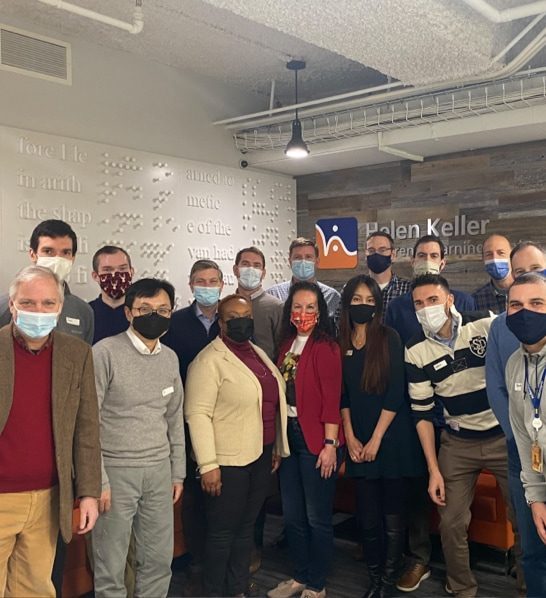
(286, 589)
(448, 590)
(412, 577)
(312, 594)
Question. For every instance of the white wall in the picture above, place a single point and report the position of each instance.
(126, 100)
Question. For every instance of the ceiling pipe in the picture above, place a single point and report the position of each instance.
(135, 27)
(511, 68)
(508, 14)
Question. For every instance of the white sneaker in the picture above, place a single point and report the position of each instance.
(286, 589)
(312, 594)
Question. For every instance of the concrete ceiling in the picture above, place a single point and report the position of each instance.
(347, 44)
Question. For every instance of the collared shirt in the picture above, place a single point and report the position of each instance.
(22, 342)
(207, 323)
(331, 296)
(489, 297)
(139, 345)
(449, 342)
(396, 286)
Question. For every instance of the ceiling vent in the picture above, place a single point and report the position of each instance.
(35, 55)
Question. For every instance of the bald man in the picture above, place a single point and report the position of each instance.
(496, 261)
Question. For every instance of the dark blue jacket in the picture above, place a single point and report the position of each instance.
(187, 336)
(401, 313)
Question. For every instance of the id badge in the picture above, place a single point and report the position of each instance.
(536, 458)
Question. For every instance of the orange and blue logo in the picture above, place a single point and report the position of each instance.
(337, 241)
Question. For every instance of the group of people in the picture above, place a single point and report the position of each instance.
(415, 386)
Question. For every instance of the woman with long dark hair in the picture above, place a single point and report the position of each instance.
(310, 363)
(381, 439)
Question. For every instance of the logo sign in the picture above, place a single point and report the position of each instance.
(337, 241)
(478, 346)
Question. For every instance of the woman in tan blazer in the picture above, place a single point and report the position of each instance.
(235, 407)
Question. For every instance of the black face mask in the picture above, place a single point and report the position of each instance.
(528, 326)
(378, 263)
(361, 313)
(151, 326)
(240, 329)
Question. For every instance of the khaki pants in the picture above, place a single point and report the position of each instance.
(461, 461)
(29, 525)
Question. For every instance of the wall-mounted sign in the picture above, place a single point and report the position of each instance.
(337, 241)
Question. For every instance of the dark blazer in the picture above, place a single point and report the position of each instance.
(318, 389)
(75, 417)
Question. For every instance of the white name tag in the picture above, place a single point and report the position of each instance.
(454, 425)
(440, 365)
(349, 352)
(167, 391)
(518, 386)
(73, 321)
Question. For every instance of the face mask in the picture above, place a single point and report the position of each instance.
(240, 329)
(60, 265)
(303, 322)
(378, 263)
(151, 326)
(114, 284)
(361, 313)
(497, 269)
(36, 324)
(303, 269)
(250, 278)
(432, 318)
(206, 296)
(528, 326)
(425, 267)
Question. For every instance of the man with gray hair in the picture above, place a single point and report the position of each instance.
(525, 376)
(49, 435)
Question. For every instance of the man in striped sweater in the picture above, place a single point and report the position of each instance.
(446, 363)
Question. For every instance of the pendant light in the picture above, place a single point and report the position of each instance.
(296, 148)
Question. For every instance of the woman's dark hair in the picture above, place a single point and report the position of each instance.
(148, 287)
(375, 375)
(323, 329)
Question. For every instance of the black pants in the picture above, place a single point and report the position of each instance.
(193, 514)
(230, 525)
(58, 566)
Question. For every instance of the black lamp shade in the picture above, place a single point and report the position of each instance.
(296, 148)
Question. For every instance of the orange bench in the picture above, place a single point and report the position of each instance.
(78, 577)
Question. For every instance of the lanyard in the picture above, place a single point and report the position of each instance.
(536, 394)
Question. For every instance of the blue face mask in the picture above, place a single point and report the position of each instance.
(378, 263)
(497, 269)
(528, 326)
(250, 278)
(303, 269)
(206, 296)
(36, 324)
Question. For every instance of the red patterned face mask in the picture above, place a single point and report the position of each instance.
(114, 284)
(303, 322)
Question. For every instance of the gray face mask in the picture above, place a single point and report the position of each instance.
(425, 267)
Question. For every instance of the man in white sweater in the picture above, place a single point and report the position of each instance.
(143, 450)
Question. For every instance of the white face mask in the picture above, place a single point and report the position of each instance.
(432, 318)
(59, 265)
(250, 278)
(425, 267)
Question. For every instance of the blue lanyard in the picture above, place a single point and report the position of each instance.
(536, 394)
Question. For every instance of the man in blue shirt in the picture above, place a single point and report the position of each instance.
(113, 272)
(525, 257)
(496, 259)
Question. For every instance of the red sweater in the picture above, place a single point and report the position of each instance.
(318, 389)
(27, 448)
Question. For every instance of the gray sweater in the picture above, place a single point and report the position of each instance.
(521, 418)
(141, 406)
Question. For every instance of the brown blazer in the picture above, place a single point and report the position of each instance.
(75, 417)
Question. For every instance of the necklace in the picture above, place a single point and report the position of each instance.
(263, 369)
(358, 343)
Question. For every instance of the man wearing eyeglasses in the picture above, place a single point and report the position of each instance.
(143, 450)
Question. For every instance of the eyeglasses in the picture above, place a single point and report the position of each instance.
(380, 251)
(164, 312)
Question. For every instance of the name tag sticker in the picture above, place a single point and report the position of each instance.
(454, 425)
(349, 352)
(518, 386)
(167, 391)
(73, 321)
(440, 365)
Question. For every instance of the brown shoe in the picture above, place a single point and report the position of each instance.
(412, 577)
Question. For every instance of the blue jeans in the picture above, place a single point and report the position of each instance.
(534, 551)
(307, 502)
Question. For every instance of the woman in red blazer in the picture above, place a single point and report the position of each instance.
(310, 362)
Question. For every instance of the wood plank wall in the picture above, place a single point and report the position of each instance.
(505, 185)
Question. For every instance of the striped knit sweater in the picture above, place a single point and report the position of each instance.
(453, 376)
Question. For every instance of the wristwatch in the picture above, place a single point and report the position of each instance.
(333, 441)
